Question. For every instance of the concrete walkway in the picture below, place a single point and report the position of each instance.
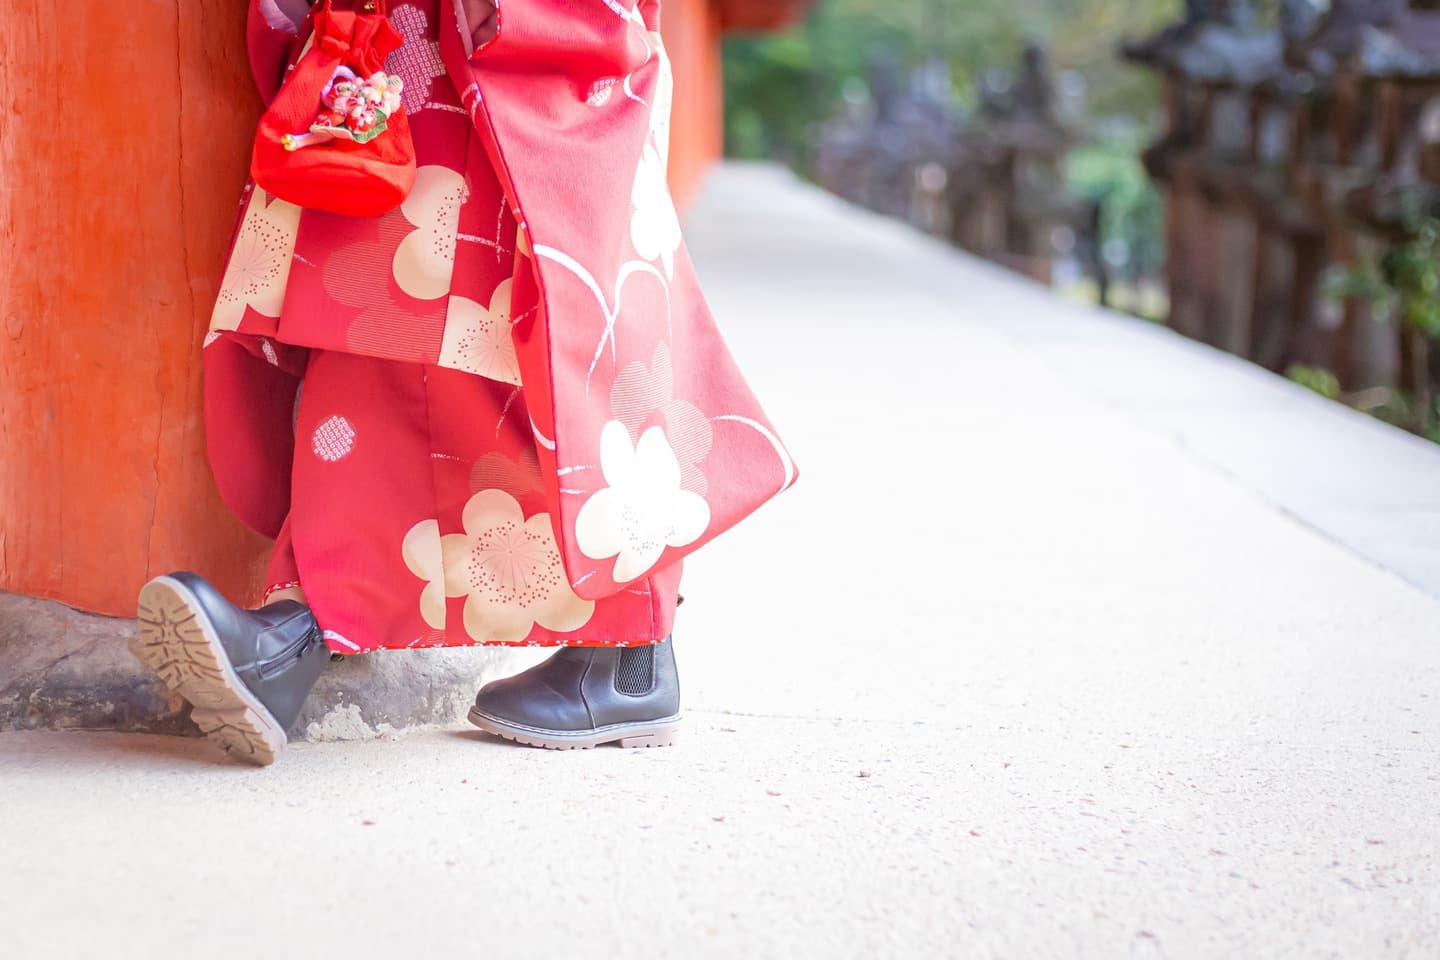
(1026, 666)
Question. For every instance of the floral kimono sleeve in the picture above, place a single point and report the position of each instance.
(650, 441)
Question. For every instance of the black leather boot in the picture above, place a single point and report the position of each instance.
(245, 672)
(585, 696)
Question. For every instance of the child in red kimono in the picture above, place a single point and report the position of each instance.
(500, 413)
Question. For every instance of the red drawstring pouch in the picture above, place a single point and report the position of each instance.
(336, 137)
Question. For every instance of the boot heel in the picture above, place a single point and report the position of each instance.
(243, 733)
(660, 738)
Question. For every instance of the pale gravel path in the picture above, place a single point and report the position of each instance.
(1010, 673)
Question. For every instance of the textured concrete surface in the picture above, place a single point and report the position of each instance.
(61, 669)
(1362, 483)
(1015, 671)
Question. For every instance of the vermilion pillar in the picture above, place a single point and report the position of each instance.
(691, 29)
(124, 138)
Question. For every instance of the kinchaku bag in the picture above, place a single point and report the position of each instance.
(336, 137)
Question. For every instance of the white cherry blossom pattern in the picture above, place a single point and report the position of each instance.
(425, 259)
(654, 225)
(259, 266)
(422, 552)
(509, 570)
(643, 509)
(418, 60)
(477, 340)
(639, 391)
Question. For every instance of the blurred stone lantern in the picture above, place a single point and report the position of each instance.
(1289, 156)
(1008, 194)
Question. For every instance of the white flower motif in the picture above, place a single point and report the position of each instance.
(425, 259)
(259, 266)
(478, 340)
(643, 509)
(509, 570)
(640, 391)
(422, 553)
(654, 225)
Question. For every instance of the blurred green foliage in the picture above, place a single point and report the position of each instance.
(1109, 172)
(1319, 380)
(1406, 410)
(778, 87)
(1403, 284)
(1412, 270)
(781, 88)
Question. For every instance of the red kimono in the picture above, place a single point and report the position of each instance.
(501, 413)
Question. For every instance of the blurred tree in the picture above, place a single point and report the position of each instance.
(779, 87)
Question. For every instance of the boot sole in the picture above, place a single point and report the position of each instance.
(645, 733)
(179, 643)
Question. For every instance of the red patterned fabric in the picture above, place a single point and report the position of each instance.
(518, 415)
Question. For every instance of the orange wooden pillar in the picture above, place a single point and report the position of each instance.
(692, 31)
(692, 38)
(124, 139)
(124, 142)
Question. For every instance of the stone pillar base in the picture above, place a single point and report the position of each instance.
(61, 669)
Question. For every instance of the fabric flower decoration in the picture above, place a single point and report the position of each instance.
(343, 93)
(508, 569)
(354, 108)
(643, 508)
(654, 225)
(385, 92)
